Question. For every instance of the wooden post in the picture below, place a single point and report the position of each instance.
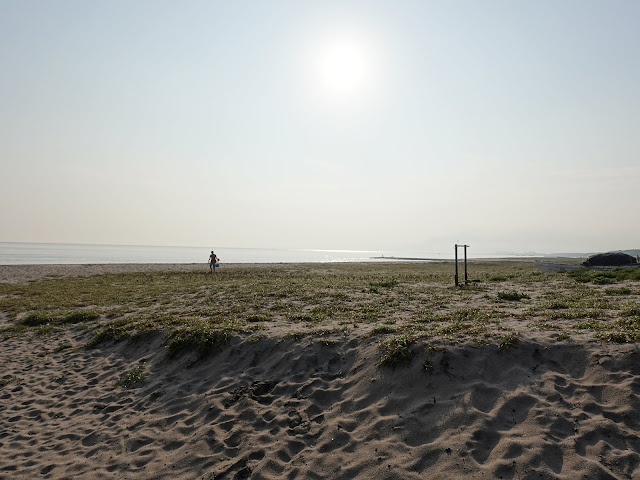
(456, 250)
(466, 275)
(466, 278)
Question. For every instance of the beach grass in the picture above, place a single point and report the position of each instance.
(131, 377)
(199, 312)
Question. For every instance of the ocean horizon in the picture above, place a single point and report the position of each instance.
(24, 253)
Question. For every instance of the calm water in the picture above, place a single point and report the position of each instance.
(63, 253)
(58, 253)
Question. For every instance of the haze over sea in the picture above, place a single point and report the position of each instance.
(15, 253)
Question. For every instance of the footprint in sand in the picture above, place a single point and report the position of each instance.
(513, 412)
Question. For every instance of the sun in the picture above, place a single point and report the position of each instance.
(342, 67)
(342, 71)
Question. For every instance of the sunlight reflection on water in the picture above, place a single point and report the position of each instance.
(62, 253)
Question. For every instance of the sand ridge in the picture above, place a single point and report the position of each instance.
(300, 409)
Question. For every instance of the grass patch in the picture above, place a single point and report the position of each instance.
(618, 291)
(543, 325)
(397, 351)
(131, 377)
(40, 319)
(80, 317)
(623, 330)
(498, 278)
(592, 325)
(620, 336)
(383, 330)
(512, 296)
(122, 329)
(198, 335)
(259, 318)
(508, 342)
(374, 287)
(456, 327)
(556, 305)
(631, 310)
(604, 277)
(36, 320)
(193, 311)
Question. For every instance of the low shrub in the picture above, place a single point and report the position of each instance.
(36, 320)
(397, 350)
(512, 296)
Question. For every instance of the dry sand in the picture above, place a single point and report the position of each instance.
(284, 409)
(25, 273)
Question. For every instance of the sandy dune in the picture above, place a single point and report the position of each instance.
(278, 408)
(282, 409)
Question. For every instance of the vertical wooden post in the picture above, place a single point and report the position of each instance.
(456, 250)
(466, 278)
(466, 274)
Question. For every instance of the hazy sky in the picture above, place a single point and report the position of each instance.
(374, 125)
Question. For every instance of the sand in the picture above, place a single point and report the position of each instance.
(25, 273)
(283, 409)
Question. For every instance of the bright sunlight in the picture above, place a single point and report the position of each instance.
(342, 67)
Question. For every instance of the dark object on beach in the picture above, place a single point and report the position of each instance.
(466, 277)
(610, 259)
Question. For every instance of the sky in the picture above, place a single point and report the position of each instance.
(407, 126)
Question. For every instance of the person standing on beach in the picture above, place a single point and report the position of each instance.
(213, 261)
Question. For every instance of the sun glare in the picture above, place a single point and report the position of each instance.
(343, 72)
(342, 67)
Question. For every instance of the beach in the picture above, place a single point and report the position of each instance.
(319, 371)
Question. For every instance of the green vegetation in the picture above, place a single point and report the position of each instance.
(498, 278)
(81, 316)
(624, 328)
(618, 291)
(605, 276)
(198, 335)
(132, 377)
(37, 319)
(508, 341)
(123, 329)
(512, 296)
(401, 303)
(397, 350)
(382, 329)
(375, 287)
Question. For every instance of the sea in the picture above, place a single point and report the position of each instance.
(15, 253)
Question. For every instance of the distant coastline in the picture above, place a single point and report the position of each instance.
(417, 259)
(16, 253)
(19, 253)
